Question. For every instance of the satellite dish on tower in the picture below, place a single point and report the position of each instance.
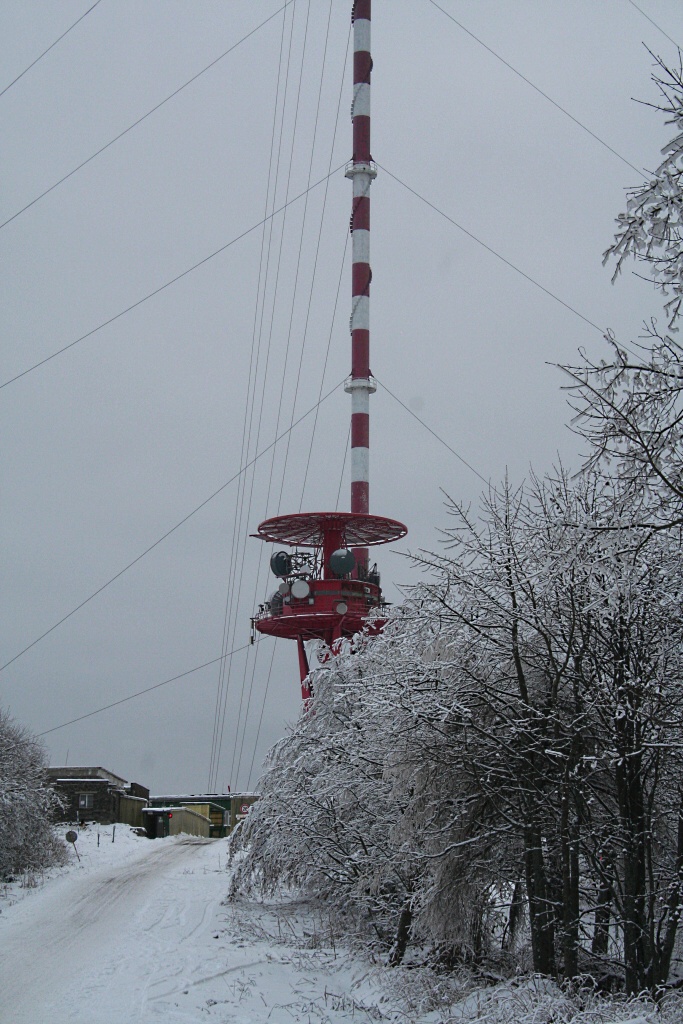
(281, 563)
(300, 589)
(342, 561)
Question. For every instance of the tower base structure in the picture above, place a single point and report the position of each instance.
(325, 594)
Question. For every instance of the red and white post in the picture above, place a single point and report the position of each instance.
(362, 171)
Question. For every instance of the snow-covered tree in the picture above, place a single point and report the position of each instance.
(325, 818)
(651, 229)
(573, 715)
(510, 739)
(27, 803)
(629, 406)
(630, 410)
(508, 747)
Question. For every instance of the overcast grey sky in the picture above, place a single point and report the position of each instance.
(112, 443)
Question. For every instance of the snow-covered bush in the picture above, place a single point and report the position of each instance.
(326, 818)
(27, 803)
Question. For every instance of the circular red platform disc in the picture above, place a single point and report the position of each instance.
(307, 529)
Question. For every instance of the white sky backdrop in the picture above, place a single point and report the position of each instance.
(112, 443)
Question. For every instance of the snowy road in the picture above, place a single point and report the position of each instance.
(136, 934)
(113, 943)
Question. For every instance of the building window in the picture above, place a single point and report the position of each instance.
(85, 801)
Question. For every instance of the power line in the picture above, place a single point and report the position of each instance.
(545, 95)
(149, 689)
(168, 284)
(165, 535)
(322, 377)
(266, 365)
(242, 719)
(508, 263)
(238, 650)
(653, 22)
(341, 475)
(493, 252)
(250, 393)
(50, 47)
(433, 432)
(263, 706)
(313, 429)
(144, 116)
(304, 333)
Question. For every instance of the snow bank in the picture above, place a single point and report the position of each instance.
(532, 1000)
(97, 846)
(342, 987)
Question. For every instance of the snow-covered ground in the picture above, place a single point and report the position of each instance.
(136, 933)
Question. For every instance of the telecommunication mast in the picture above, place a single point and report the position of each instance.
(328, 586)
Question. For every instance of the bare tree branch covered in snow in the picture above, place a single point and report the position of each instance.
(630, 407)
(651, 229)
(27, 803)
(631, 413)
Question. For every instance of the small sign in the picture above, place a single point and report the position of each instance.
(71, 837)
(244, 809)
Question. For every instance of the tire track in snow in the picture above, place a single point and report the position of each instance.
(94, 939)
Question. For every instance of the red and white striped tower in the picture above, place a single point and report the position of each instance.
(361, 170)
(329, 596)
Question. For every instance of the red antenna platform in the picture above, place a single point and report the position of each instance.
(327, 593)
